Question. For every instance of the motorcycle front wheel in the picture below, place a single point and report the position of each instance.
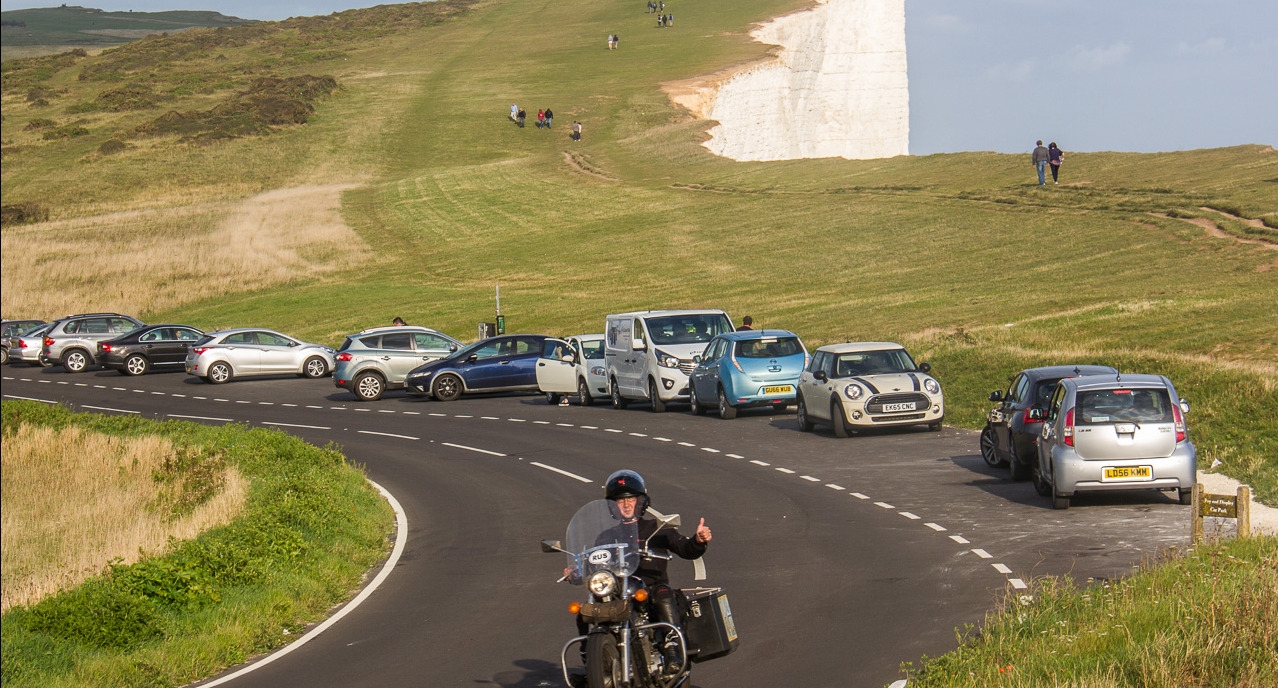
(603, 662)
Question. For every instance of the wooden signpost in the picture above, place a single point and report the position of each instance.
(1222, 506)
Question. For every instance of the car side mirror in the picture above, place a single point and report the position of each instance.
(1037, 414)
(925, 367)
(552, 546)
(638, 345)
(1184, 406)
(996, 395)
(472, 358)
(820, 375)
(696, 358)
(452, 347)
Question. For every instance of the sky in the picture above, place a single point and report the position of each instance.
(1092, 75)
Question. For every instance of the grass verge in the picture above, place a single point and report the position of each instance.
(1208, 617)
(311, 527)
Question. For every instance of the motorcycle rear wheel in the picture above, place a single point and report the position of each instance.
(603, 662)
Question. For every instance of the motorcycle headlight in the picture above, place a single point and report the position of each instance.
(932, 386)
(853, 392)
(666, 360)
(602, 584)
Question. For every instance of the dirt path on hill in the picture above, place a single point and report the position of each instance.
(1214, 230)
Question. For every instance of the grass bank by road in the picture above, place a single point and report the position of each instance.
(310, 528)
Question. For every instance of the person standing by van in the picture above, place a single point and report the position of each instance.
(747, 323)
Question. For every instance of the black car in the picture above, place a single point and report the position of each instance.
(1011, 432)
(506, 363)
(15, 328)
(163, 347)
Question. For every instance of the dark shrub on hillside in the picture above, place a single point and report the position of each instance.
(268, 103)
(111, 146)
(97, 614)
(22, 213)
(67, 132)
(128, 98)
(39, 123)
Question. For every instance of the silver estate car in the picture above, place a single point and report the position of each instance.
(378, 359)
(72, 342)
(221, 356)
(1115, 432)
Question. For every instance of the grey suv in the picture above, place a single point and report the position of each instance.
(1115, 432)
(373, 361)
(72, 341)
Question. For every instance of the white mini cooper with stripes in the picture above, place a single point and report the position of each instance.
(861, 385)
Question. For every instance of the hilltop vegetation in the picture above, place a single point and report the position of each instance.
(32, 32)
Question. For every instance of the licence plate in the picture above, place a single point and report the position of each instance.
(1121, 473)
(889, 408)
(780, 389)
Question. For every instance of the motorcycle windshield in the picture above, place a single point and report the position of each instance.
(597, 540)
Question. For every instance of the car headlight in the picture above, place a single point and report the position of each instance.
(932, 386)
(602, 584)
(420, 376)
(853, 391)
(598, 370)
(666, 360)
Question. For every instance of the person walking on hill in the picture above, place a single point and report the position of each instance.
(549, 118)
(616, 41)
(576, 131)
(1054, 158)
(1040, 158)
(519, 119)
(541, 118)
(514, 112)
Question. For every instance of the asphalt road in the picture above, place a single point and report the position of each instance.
(842, 558)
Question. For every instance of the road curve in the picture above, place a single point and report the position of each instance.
(842, 558)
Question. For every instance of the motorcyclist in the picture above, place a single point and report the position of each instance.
(627, 491)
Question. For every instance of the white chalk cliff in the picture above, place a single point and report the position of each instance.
(837, 87)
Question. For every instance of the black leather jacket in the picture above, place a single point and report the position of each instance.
(653, 571)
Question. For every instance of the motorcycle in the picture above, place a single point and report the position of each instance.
(622, 642)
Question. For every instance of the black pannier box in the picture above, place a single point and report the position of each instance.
(710, 625)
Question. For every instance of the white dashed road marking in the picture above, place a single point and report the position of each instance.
(1002, 569)
(1017, 583)
(294, 425)
(909, 515)
(858, 495)
(810, 479)
(885, 505)
(473, 449)
(759, 463)
(832, 486)
(560, 471)
(960, 539)
(113, 410)
(983, 554)
(387, 434)
(220, 420)
(937, 528)
(784, 470)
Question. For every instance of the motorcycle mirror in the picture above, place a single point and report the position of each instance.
(551, 546)
(672, 520)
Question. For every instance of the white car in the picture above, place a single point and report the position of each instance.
(574, 365)
(221, 356)
(861, 385)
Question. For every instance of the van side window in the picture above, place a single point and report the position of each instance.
(636, 334)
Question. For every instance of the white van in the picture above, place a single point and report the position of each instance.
(648, 354)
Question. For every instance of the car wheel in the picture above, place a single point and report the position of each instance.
(219, 373)
(1059, 501)
(552, 398)
(726, 410)
(75, 361)
(618, 402)
(4, 356)
(583, 394)
(805, 424)
(315, 367)
(694, 404)
(368, 386)
(838, 421)
(1020, 471)
(658, 406)
(1186, 495)
(1040, 485)
(934, 427)
(448, 387)
(988, 445)
(135, 365)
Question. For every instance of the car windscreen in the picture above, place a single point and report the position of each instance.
(1106, 406)
(687, 329)
(769, 347)
(875, 363)
(593, 349)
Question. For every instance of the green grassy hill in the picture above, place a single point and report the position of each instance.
(37, 31)
(962, 257)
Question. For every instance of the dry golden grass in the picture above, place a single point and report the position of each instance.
(74, 500)
(152, 259)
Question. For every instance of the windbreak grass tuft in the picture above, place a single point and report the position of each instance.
(310, 528)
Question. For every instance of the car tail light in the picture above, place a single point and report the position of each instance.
(1025, 418)
(1067, 433)
(22, 343)
(199, 350)
(345, 357)
(1180, 424)
(737, 365)
(103, 346)
(48, 341)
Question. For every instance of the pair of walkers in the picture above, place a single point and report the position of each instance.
(545, 118)
(1047, 157)
(613, 41)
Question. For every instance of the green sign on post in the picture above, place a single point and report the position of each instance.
(501, 324)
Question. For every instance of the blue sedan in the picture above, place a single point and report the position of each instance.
(507, 363)
(747, 368)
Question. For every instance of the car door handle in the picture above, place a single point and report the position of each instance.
(385, 358)
(505, 362)
(541, 365)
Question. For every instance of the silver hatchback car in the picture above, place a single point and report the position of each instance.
(221, 356)
(1115, 432)
(378, 359)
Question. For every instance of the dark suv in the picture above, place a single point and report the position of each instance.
(72, 342)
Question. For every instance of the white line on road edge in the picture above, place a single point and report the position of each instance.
(858, 495)
(401, 537)
(574, 476)
(387, 434)
(784, 470)
(898, 684)
(709, 449)
(909, 515)
(474, 449)
(759, 463)
(885, 505)
(291, 425)
(960, 539)
(1017, 583)
(810, 479)
(832, 486)
(1001, 568)
(937, 527)
(222, 420)
(734, 456)
(107, 408)
(42, 401)
(983, 554)
(686, 444)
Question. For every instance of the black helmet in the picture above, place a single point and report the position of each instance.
(627, 483)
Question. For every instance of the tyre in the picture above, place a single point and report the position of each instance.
(1020, 471)
(75, 361)
(658, 406)
(583, 394)
(805, 423)
(934, 427)
(603, 662)
(618, 402)
(1040, 485)
(988, 445)
(368, 386)
(448, 387)
(694, 403)
(726, 410)
(1059, 501)
(4, 356)
(552, 398)
(838, 421)
(1186, 495)
(135, 365)
(314, 367)
(219, 373)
